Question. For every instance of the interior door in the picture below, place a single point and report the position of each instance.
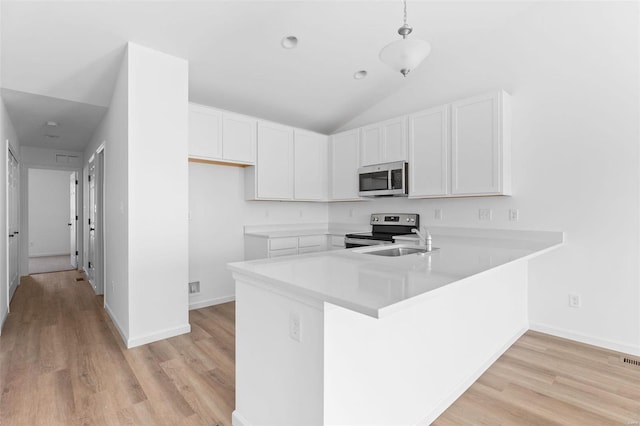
(73, 223)
(91, 253)
(12, 221)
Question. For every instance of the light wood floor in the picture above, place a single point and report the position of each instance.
(62, 362)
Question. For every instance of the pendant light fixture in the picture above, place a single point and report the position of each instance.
(405, 54)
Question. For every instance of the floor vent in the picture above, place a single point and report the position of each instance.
(80, 279)
(631, 361)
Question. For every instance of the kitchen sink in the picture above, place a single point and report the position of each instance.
(396, 251)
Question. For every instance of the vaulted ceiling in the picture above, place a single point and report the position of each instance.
(69, 52)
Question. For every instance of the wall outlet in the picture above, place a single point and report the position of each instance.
(437, 214)
(294, 326)
(301, 213)
(484, 214)
(514, 215)
(194, 287)
(574, 300)
(350, 212)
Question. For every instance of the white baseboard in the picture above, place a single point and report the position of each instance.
(153, 337)
(584, 338)
(124, 335)
(238, 420)
(464, 385)
(49, 254)
(211, 302)
(12, 291)
(3, 319)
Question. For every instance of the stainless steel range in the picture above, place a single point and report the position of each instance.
(384, 227)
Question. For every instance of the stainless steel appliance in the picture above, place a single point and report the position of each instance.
(388, 179)
(384, 227)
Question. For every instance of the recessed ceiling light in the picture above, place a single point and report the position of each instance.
(289, 42)
(359, 75)
(52, 124)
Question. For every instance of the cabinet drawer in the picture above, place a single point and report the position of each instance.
(337, 241)
(311, 240)
(283, 243)
(283, 252)
(309, 249)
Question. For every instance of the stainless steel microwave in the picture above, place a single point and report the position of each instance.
(386, 179)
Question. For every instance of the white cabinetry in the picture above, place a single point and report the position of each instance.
(344, 166)
(220, 136)
(310, 166)
(239, 138)
(480, 145)
(384, 142)
(205, 132)
(429, 153)
(461, 149)
(259, 247)
(272, 177)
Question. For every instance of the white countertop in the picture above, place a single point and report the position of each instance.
(378, 285)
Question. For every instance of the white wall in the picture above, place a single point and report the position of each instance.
(572, 69)
(217, 215)
(158, 195)
(49, 211)
(113, 131)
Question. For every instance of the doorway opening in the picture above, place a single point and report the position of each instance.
(52, 220)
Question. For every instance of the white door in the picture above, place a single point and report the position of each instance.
(73, 220)
(91, 254)
(98, 260)
(12, 221)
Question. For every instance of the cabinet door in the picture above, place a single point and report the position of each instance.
(310, 166)
(477, 139)
(395, 140)
(344, 166)
(429, 152)
(274, 162)
(371, 145)
(205, 132)
(239, 138)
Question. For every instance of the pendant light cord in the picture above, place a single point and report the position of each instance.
(405, 11)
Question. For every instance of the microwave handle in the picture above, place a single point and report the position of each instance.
(389, 181)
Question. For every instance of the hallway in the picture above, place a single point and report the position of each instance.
(62, 362)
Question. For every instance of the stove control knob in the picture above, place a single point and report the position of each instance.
(413, 220)
(408, 220)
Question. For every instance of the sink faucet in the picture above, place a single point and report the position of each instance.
(425, 237)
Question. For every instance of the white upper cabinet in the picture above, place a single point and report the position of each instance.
(429, 153)
(344, 165)
(310, 166)
(480, 145)
(274, 163)
(205, 132)
(384, 142)
(239, 138)
(221, 136)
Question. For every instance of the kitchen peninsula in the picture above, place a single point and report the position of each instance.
(348, 337)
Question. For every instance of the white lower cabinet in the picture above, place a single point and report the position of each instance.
(259, 247)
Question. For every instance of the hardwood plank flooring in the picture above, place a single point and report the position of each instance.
(62, 362)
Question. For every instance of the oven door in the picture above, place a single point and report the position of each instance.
(350, 242)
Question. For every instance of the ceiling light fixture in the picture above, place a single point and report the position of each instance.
(404, 55)
(289, 42)
(52, 124)
(359, 75)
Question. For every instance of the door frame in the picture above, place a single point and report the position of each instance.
(9, 151)
(98, 159)
(24, 212)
